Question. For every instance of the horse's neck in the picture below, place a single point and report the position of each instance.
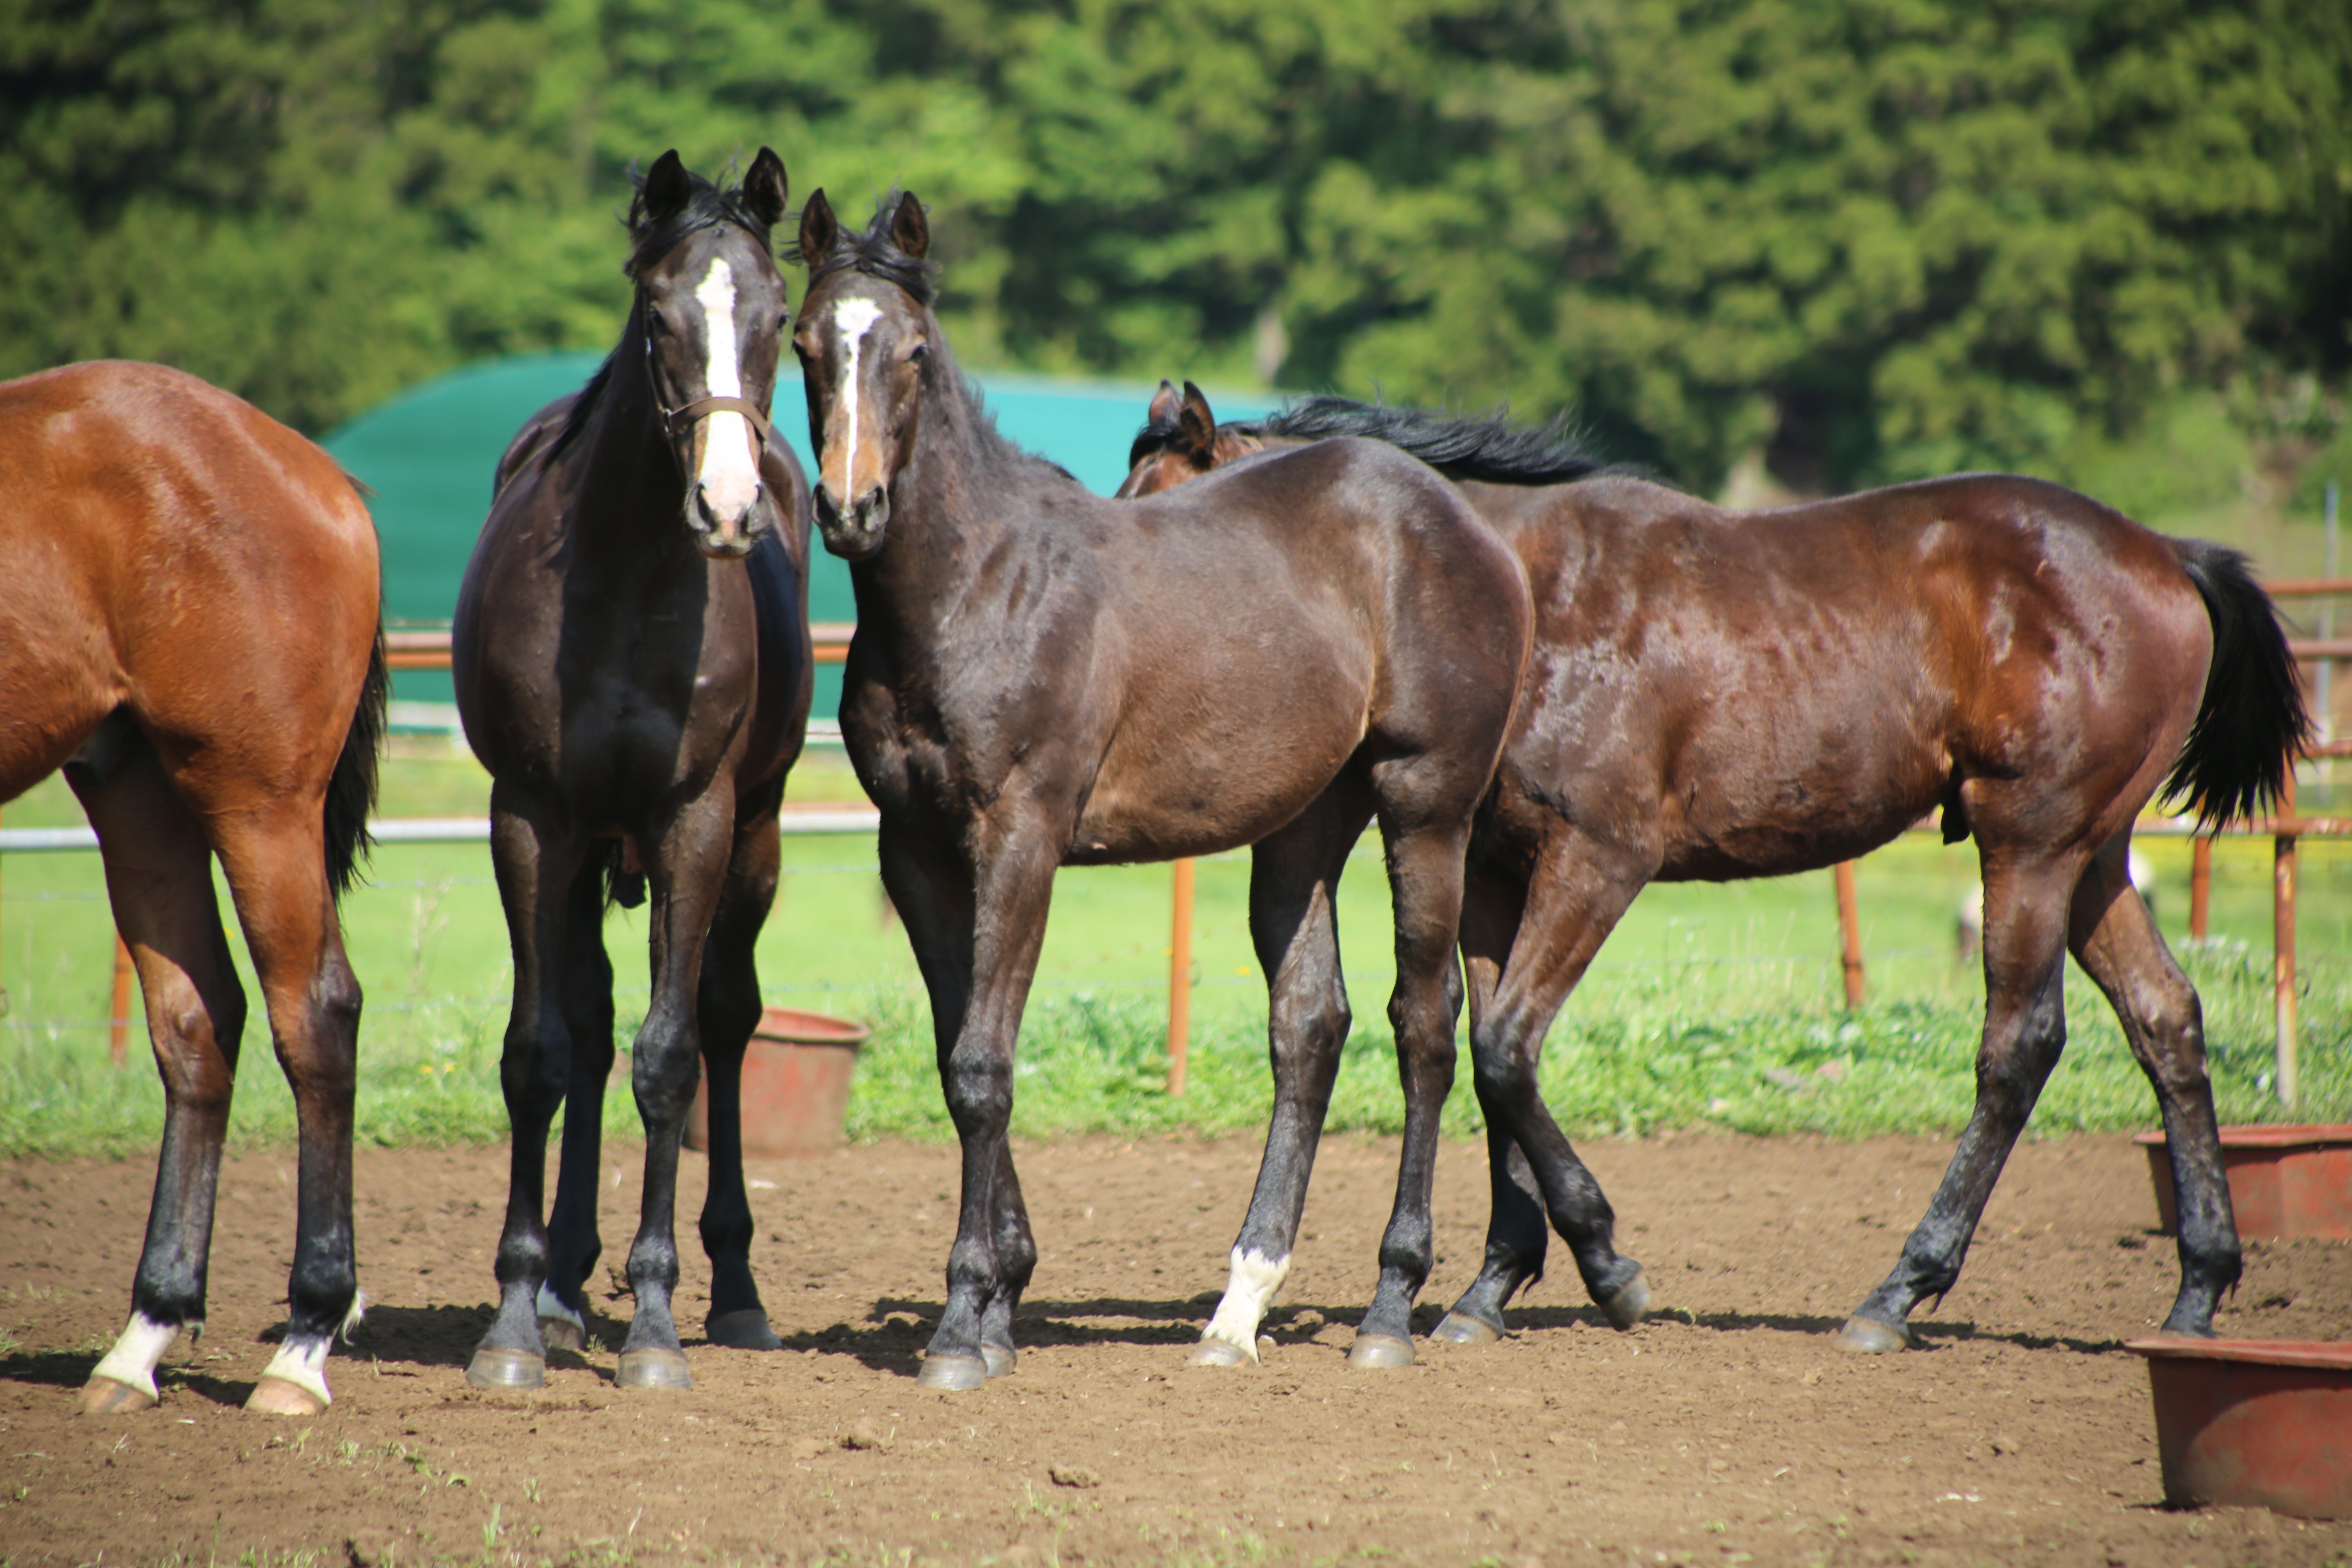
(628, 517)
(964, 495)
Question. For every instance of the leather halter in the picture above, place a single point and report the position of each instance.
(677, 421)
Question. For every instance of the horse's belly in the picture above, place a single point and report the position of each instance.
(1174, 792)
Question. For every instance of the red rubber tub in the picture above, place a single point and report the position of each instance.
(795, 1085)
(2253, 1422)
(2284, 1180)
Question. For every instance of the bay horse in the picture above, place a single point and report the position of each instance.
(1042, 677)
(1716, 695)
(191, 603)
(633, 665)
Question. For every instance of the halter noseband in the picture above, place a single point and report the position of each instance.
(676, 422)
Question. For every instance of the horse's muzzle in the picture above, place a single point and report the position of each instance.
(725, 538)
(859, 534)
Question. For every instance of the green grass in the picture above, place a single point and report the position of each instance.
(1704, 1009)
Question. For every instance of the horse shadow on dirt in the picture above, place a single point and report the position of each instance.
(71, 1369)
(445, 1335)
(1932, 1334)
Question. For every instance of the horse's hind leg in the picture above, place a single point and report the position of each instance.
(2118, 947)
(158, 875)
(1294, 879)
(2024, 1031)
(574, 1242)
(729, 1005)
(1425, 848)
(274, 862)
(1575, 900)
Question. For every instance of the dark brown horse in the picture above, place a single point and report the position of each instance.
(633, 665)
(190, 597)
(1041, 676)
(1717, 695)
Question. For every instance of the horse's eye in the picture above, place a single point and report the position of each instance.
(918, 353)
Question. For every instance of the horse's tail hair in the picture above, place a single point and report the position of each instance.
(350, 793)
(2252, 715)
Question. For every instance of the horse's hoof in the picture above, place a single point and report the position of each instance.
(1868, 1336)
(1461, 1329)
(1000, 1360)
(563, 1335)
(1380, 1353)
(506, 1369)
(1630, 1305)
(653, 1369)
(743, 1330)
(278, 1397)
(1217, 1353)
(955, 1374)
(104, 1396)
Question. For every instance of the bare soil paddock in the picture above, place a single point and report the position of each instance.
(1724, 1431)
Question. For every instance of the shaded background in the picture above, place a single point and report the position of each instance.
(1767, 247)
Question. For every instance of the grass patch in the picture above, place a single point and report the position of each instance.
(1709, 1006)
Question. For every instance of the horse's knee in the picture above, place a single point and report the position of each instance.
(1309, 1023)
(979, 1089)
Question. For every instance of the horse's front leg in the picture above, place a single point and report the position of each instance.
(1573, 902)
(729, 1006)
(537, 864)
(977, 941)
(684, 874)
(574, 1242)
(1293, 881)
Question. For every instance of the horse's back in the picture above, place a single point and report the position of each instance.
(1757, 675)
(150, 527)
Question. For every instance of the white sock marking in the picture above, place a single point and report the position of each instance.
(729, 478)
(853, 319)
(303, 1364)
(550, 1305)
(1249, 1291)
(132, 1359)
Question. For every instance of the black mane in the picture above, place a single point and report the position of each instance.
(1460, 445)
(877, 255)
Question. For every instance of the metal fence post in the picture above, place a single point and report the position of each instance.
(2283, 939)
(1849, 934)
(1179, 977)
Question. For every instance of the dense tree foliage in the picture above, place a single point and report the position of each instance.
(1872, 237)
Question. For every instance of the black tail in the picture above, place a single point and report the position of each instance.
(2252, 715)
(350, 794)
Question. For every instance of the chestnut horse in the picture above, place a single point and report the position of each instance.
(1042, 677)
(191, 599)
(1717, 695)
(633, 665)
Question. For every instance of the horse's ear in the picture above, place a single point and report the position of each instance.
(1163, 404)
(908, 231)
(667, 188)
(1196, 425)
(765, 187)
(820, 230)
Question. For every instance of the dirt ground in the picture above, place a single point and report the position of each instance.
(1724, 1431)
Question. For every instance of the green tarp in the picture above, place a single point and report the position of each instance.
(428, 454)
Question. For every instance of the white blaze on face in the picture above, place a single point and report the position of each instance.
(853, 319)
(729, 478)
(1249, 1291)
